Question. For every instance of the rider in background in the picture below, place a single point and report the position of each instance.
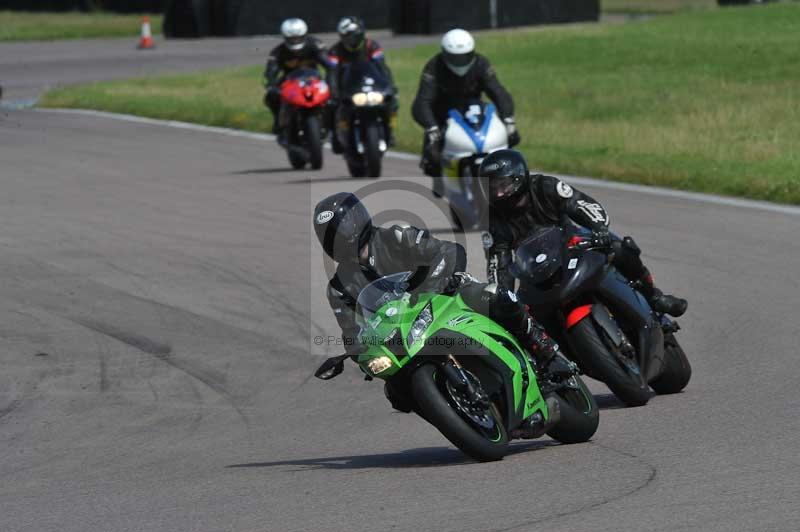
(521, 202)
(452, 78)
(354, 46)
(298, 50)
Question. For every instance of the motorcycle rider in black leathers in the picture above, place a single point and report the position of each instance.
(298, 50)
(520, 203)
(454, 77)
(365, 253)
(354, 46)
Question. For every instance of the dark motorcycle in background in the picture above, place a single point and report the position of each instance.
(303, 97)
(601, 321)
(363, 120)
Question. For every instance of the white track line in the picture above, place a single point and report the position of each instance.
(588, 181)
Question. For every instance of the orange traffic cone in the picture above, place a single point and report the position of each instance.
(146, 41)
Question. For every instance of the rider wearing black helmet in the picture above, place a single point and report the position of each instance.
(365, 253)
(520, 202)
(298, 50)
(354, 45)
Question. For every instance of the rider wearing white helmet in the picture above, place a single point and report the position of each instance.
(453, 77)
(298, 50)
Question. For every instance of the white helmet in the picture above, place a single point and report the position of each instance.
(294, 32)
(458, 51)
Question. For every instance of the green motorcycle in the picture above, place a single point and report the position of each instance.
(465, 374)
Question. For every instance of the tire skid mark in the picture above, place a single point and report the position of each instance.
(281, 304)
(652, 473)
(162, 352)
(9, 408)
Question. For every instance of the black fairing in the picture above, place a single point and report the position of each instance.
(566, 277)
(636, 314)
(551, 275)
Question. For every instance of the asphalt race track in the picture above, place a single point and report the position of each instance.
(159, 293)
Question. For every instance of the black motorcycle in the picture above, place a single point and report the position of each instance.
(601, 321)
(363, 127)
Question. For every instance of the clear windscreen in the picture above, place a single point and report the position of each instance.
(377, 294)
(539, 256)
(358, 75)
(303, 73)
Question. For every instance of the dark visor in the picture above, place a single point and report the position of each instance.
(459, 60)
(504, 187)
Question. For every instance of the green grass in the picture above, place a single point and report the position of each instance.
(653, 6)
(24, 26)
(706, 101)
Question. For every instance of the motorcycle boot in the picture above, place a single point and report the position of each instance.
(503, 306)
(658, 300)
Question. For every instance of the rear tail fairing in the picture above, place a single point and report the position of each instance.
(481, 346)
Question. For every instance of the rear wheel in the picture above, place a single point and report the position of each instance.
(677, 371)
(314, 141)
(481, 435)
(579, 414)
(372, 151)
(618, 372)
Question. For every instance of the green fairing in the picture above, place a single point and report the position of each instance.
(450, 314)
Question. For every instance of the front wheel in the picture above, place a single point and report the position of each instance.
(596, 360)
(314, 141)
(677, 371)
(485, 439)
(579, 414)
(372, 150)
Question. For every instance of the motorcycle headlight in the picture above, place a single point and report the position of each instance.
(360, 98)
(420, 325)
(374, 98)
(379, 364)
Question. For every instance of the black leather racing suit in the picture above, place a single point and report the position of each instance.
(552, 202)
(338, 57)
(282, 61)
(440, 89)
(399, 249)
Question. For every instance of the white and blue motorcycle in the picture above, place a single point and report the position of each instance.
(471, 133)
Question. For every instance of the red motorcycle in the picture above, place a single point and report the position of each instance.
(304, 95)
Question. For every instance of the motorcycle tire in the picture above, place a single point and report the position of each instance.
(435, 408)
(372, 151)
(356, 168)
(677, 371)
(314, 141)
(580, 416)
(456, 220)
(594, 358)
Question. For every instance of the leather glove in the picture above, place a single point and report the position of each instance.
(331, 368)
(460, 279)
(511, 130)
(433, 135)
